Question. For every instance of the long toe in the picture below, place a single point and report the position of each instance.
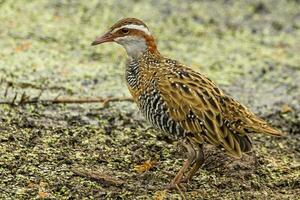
(179, 186)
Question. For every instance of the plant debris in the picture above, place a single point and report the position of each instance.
(98, 176)
(145, 166)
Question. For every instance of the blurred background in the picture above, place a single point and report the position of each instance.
(250, 48)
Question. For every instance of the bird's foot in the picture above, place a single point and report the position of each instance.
(180, 187)
(176, 186)
(185, 180)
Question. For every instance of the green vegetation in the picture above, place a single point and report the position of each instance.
(250, 48)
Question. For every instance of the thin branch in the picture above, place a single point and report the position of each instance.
(14, 99)
(98, 176)
(6, 89)
(66, 100)
(24, 98)
(40, 94)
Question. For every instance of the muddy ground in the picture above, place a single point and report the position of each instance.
(250, 48)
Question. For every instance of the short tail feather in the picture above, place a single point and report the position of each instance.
(263, 127)
(271, 131)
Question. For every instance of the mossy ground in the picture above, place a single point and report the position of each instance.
(250, 48)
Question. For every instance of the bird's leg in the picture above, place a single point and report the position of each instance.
(191, 156)
(179, 175)
(199, 160)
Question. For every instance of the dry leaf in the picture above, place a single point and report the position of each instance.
(286, 108)
(43, 184)
(160, 195)
(147, 165)
(31, 184)
(23, 47)
(42, 194)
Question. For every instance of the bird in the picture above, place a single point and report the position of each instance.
(181, 102)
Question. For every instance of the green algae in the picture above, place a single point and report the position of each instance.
(250, 48)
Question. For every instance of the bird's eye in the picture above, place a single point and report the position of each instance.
(125, 30)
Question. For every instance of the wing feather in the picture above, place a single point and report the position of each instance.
(202, 108)
(192, 102)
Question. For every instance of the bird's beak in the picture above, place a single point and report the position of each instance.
(107, 37)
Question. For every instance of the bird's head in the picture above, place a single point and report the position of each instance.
(132, 34)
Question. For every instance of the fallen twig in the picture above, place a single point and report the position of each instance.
(67, 100)
(24, 98)
(9, 85)
(14, 99)
(98, 176)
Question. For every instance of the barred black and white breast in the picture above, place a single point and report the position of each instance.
(156, 112)
(132, 74)
(149, 100)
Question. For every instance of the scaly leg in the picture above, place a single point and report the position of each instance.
(199, 160)
(191, 157)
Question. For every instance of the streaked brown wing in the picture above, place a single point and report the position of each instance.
(193, 101)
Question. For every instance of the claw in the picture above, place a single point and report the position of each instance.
(180, 187)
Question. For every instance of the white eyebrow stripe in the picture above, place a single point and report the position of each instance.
(134, 26)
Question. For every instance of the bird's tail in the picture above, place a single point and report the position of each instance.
(271, 131)
(263, 127)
